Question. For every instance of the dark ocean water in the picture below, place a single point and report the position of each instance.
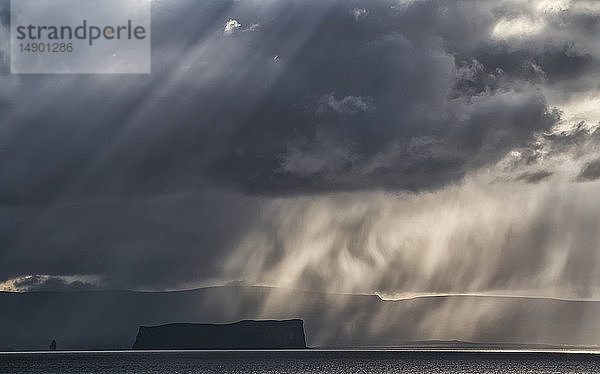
(276, 362)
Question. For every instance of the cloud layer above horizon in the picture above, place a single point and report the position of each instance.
(390, 146)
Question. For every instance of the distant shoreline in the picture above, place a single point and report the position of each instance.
(109, 320)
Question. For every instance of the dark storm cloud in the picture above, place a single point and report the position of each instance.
(590, 172)
(221, 107)
(535, 177)
(108, 175)
(4, 15)
(409, 77)
(554, 63)
(576, 143)
(4, 38)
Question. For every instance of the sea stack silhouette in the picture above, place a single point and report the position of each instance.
(287, 334)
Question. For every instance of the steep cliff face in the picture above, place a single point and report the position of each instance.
(288, 334)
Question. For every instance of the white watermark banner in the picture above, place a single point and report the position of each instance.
(80, 37)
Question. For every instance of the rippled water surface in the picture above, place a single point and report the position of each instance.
(299, 362)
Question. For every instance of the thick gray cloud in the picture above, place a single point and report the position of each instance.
(4, 38)
(591, 171)
(535, 177)
(167, 180)
(221, 108)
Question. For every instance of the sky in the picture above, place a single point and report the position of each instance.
(391, 147)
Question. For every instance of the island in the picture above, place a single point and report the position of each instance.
(287, 334)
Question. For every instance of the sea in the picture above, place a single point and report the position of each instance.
(305, 361)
